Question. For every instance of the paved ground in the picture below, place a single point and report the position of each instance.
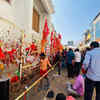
(58, 85)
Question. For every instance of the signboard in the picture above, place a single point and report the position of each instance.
(70, 43)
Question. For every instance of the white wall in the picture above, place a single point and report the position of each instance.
(6, 11)
(22, 10)
(20, 13)
(23, 16)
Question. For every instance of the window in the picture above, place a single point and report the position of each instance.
(35, 23)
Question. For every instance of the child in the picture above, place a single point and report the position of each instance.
(77, 88)
(44, 62)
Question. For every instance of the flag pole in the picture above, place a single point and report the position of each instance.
(21, 54)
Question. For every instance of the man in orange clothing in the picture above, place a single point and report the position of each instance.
(44, 62)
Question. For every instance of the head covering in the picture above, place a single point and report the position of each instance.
(60, 96)
(50, 94)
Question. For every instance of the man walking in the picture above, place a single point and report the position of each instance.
(77, 62)
(70, 63)
(92, 66)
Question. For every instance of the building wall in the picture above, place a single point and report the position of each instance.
(96, 28)
(20, 12)
(38, 5)
(23, 16)
(6, 11)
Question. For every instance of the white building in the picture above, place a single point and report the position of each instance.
(96, 27)
(28, 15)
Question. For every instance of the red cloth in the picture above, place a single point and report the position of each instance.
(83, 71)
(42, 72)
(59, 36)
(13, 50)
(2, 56)
(27, 49)
(54, 43)
(51, 45)
(33, 47)
(51, 36)
(11, 53)
(14, 79)
(57, 41)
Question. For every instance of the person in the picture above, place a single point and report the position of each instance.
(70, 63)
(50, 95)
(58, 61)
(77, 61)
(82, 56)
(77, 89)
(30, 59)
(60, 96)
(44, 62)
(91, 65)
(64, 59)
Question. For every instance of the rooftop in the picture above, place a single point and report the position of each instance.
(96, 17)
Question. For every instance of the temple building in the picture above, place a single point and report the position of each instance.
(28, 15)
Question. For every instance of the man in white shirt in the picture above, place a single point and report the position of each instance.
(77, 61)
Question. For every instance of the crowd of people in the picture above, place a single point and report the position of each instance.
(83, 68)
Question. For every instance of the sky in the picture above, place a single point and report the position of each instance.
(73, 17)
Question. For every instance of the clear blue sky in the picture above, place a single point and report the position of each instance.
(72, 17)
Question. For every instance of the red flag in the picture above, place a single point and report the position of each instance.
(45, 30)
(44, 37)
(57, 41)
(54, 43)
(57, 44)
(59, 36)
(52, 33)
(2, 56)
